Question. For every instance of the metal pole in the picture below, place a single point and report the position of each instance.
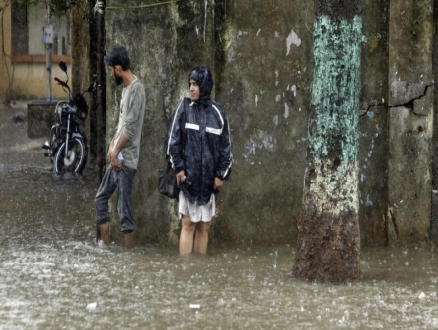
(101, 87)
(48, 46)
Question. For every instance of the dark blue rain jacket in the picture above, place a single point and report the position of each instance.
(198, 142)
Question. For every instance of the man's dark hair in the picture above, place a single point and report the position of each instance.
(118, 56)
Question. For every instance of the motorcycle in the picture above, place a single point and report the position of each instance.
(67, 146)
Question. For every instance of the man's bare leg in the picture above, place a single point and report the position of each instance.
(104, 233)
(186, 238)
(201, 237)
(129, 240)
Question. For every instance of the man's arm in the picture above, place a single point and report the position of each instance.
(136, 99)
(133, 110)
(110, 147)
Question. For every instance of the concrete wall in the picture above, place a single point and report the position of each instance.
(265, 86)
(261, 55)
(373, 125)
(40, 119)
(410, 102)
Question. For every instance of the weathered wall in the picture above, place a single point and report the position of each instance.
(373, 124)
(260, 53)
(396, 122)
(265, 86)
(411, 119)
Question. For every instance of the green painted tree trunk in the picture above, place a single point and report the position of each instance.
(328, 248)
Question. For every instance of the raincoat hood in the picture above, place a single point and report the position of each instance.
(204, 79)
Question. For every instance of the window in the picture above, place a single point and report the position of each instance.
(28, 25)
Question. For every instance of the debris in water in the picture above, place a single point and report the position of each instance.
(18, 118)
(195, 306)
(422, 296)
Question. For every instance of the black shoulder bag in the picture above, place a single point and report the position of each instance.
(167, 178)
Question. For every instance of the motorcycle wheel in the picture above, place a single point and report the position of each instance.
(75, 160)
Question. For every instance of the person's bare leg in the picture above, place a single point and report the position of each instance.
(104, 233)
(201, 237)
(186, 238)
(129, 240)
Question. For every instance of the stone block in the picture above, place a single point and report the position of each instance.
(40, 119)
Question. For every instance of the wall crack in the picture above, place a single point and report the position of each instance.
(409, 104)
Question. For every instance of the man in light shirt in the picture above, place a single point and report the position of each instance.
(123, 150)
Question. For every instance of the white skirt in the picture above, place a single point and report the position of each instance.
(196, 212)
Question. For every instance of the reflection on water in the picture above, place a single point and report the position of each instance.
(54, 277)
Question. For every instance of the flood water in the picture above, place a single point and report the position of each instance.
(53, 276)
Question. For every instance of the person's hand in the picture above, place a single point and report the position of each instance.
(180, 177)
(115, 165)
(218, 183)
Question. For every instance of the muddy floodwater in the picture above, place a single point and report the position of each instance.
(53, 276)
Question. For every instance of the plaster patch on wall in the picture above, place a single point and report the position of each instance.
(261, 140)
(294, 89)
(242, 33)
(231, 55)
(368, 202)
(292, 39)
(368, 156)
(286, 110)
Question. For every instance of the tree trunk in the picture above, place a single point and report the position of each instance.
(98, 112)
(328, 246)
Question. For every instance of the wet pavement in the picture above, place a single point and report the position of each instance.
(53, 276)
